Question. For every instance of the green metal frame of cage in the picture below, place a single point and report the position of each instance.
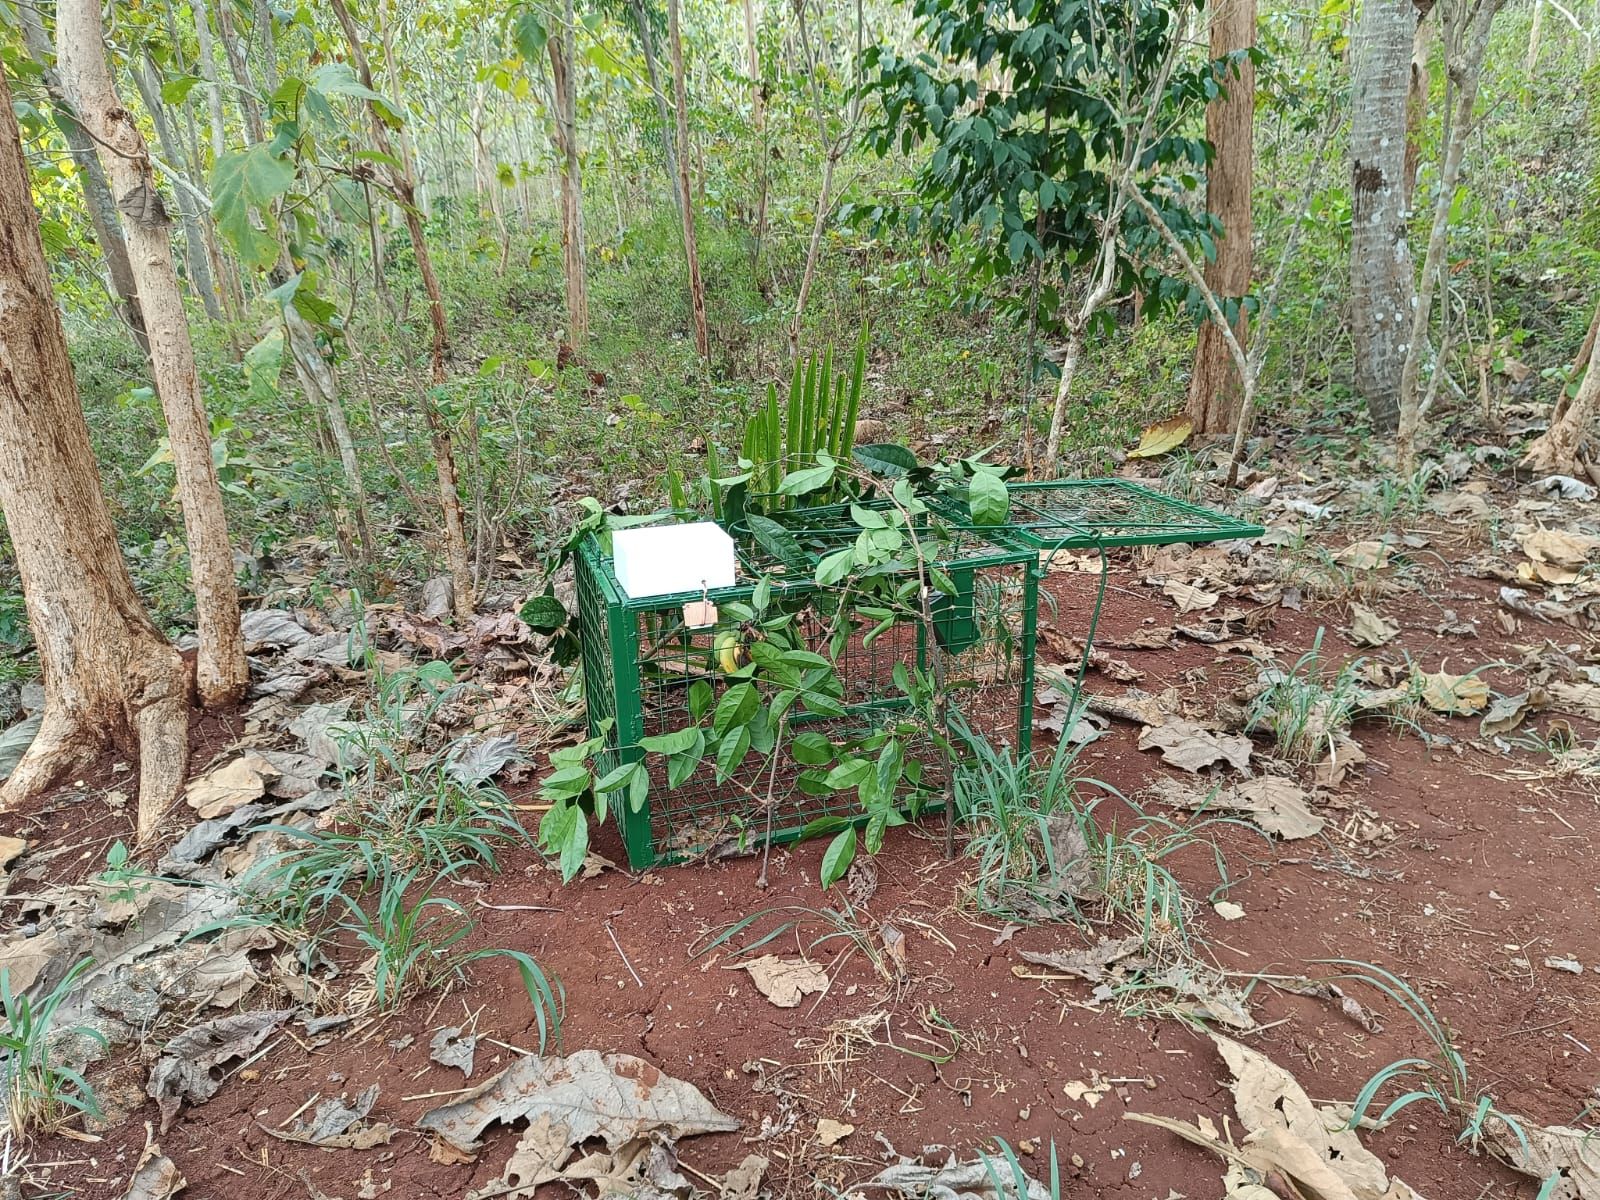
(640, 659)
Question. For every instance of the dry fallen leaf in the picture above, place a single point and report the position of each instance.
(1546, 1152)
(1189, 747)
(1163, 437)
(1558, 547)
(1090, 963)
(1367, 628)
(1228, 910)
(1188, 597)
(1454, 695)
(831, 1133)
(1279, 806)
(156, 1177)
(784, 980)
(1364, 556)
(225, 789)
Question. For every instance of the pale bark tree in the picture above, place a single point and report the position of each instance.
(1214, 387)
(1381, 285)
(1417, 93)
(1466, 40)
(221, 672)
(109, 676)
(758, 112)
(691, 246)
(1535, 34)
(564, 97)
(402, 182)
(1572, 443)
(91, 179)
(190, 214)
(658, 95)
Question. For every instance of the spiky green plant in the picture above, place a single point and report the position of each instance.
(40, 1093)
(820, 418)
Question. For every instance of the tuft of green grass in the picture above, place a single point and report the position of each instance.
(40, 1093)
(1305, 709)
(1042, 848)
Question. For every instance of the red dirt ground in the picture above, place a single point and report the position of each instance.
(1485, 874)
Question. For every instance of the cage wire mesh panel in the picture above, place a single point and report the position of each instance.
(1090, 513)
(641, 661)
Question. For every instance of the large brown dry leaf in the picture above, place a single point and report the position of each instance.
(1543, 1151)
(1134, 705)
(1290, 1134)
(1367, 628)
(1579, 699)
(1188, 597)
(1090, 963)
(1364, 556)
(1279, 806)
(338, 1124)
(784, 981)
(1187, 746)
(1163, 437)
(616, 1097)
(1454, 695)
(225, 789)
(183, 1072)
(1558, 547)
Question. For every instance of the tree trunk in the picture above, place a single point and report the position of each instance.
(691, 246)
(1215, 388)
(1559, 449)
(1380, 257)
(647, 46)
(401, 181)
(1417, 95)
(564, 87)
(758, 109)
(109, 676)
(221, 672)
(96, 192)
(1535, 32)
(194, 242)
(1466, 46)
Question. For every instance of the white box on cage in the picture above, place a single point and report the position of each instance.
(664, 560)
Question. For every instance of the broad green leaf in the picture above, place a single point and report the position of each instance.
(731, 751)
(675, 742)
(805, 480)
(619, 776)
(176, 91)
(849, 774)
(339, 79)
(987, 498)
(543, 614)
(736, 708)
(885, 458)
(240, 181)
(778, 542)
(840, 854)
(529, 35)
(834, 567)
(811, 749)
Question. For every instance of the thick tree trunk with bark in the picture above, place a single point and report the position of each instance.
(691, 246)
(1214, 387)
(564, 86)
(1573, 423)
(221, 672)
(109, 676)
(402, 183)
(1380, 257)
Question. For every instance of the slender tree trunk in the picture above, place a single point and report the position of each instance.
(208, 72)
(1466, 47)
(658, 93)
(221, 672)
(691, 246)
(402, 182)
(1215, 388)
(1560, 449)
(1417, 94)
(91, 179)
(564, 86)
(758, 113)
(1535, 33)
(109, 676)
(1380, 257)
(194, 242)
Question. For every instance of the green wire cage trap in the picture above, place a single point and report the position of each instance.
(642, 660)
